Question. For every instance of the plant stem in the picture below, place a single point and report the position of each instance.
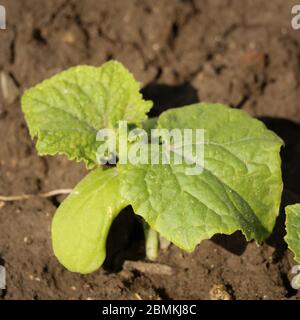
(151, 242)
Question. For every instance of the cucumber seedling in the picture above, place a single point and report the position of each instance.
(239, 187)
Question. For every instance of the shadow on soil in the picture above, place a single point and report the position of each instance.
(125, 241)
(166, 97)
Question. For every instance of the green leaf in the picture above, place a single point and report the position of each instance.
(293, 229)
(149, 124)
(82, 222)
(239, 188)
(66, 111)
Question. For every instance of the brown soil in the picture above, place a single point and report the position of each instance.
(243, 53)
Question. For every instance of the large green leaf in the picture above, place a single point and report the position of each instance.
(82, 222)
(239, 188)
(66, 111)
(293, 229)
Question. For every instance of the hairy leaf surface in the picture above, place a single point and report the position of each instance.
(66, 111)
(239, 188)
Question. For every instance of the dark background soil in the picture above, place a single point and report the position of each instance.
(243, 53)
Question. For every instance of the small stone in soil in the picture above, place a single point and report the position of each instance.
(219, 292)
(9, 89)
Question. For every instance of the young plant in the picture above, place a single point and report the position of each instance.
(293, 239)
(293, 229)
(239, 188)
